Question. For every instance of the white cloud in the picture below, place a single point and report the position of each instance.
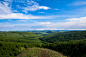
(81, 19)
(40, 12)
(77, 3)
(44, 7)
(34, 8)
(56, 9)
(71, 23)
(4, 9)
(78, 21)
(15, 11)
(22, 16)
(76, 29)
(7, 24)
(45, 23)
(29, 6)
(40, 29)
(29, 16)
(22, 20)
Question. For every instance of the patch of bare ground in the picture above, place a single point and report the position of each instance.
(44, 54)
(22, 53)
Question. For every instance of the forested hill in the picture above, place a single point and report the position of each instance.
(59, 32)
(71, 44)
(64, 37)
(13, 43)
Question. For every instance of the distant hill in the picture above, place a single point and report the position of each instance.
(50, 32)
(40, 52)
(64, 36)
(42, 31)
(20, 37)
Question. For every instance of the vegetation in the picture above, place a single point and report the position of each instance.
(12, 42)
(70, 48)
(40, 52)
(11, 49)
(70, 44)
(19, 37)
(64, 37)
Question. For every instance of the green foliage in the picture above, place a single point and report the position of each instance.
(8, 49)
(19, 37)
(40, 52)
(68, 43)
(18, 34)
(13, 43)
(64, 37)
(71, 48)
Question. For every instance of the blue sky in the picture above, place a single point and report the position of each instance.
(42, 15)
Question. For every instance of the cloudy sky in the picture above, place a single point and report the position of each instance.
(42, 14)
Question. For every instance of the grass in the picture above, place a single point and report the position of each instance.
(40, 52)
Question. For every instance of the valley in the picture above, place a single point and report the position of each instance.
(43, 43)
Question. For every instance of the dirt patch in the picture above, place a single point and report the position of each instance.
(44, 54)
(22, 53)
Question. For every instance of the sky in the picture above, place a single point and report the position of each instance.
(42, 15)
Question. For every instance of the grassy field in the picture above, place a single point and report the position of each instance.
(40, 52)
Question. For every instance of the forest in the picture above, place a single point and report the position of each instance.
(70, 43)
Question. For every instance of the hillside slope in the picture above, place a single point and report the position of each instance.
(19, 37)
(40, 52)
(62, 37)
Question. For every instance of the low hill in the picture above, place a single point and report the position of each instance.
(40, 52)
